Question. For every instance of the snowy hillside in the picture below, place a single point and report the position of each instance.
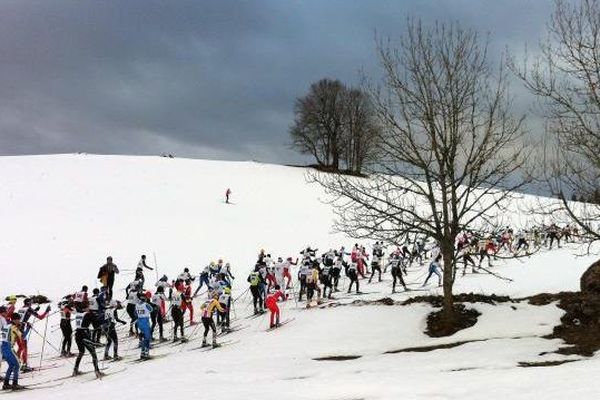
(62, 215)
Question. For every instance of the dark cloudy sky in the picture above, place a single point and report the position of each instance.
(203, 79)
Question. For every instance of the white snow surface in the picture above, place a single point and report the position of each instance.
(62, 215)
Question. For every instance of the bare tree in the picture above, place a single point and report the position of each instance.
(361, 130)
(450, 149)
(317, 128)
(566, 80)
(336, 125)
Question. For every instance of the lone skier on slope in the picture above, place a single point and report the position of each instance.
(227, 194)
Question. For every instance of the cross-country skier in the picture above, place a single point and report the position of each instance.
(111, 316)
(139, 272)
(312, 284)
(83, 320)
(271, 303)
(185, 275)
(303, 272)
(375, 266)
(11, 334)
(202, 279)
(66, 309)
(227, 194)
(26, 312)
(109, 270)
(3, 323)
(143, 310)
(287, 266)
(434, 268)
(131, 293)
(225, 301)
(396, 264)
(188, 303)
(325, 278)
(336, 270)
(159, 300)
(254, 279)
(81, 297)
(353, 276)
(207, 310)
(226, 271)
(176, 312)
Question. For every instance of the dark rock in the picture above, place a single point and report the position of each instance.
(590, 280)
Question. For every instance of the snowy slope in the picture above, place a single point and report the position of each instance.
(64, 214)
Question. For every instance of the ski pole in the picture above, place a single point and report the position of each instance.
(241, 295)
(49, 344)
(155, 265)
(44, 342)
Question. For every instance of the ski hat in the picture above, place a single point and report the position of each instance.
(15, 316)
(2, 309)
(12, 299)
(148, 294)
(164, 278)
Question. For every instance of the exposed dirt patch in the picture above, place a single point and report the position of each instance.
(424, 349)
(439, 325)
(337, 358)
(543, 299)
(580, 326)
(437, 301)
(527, 364)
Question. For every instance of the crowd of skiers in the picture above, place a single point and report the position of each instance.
(312, 277)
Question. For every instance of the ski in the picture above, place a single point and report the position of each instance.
(42, 368)
(105, 374)
(254, 316)
(231, 330)
(282, 323)
(208, 347)
(34, 386)
(149, 358)
(80, 374)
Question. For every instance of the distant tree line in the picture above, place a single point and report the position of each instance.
(336, 125)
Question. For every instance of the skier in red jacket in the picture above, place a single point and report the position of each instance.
(271, 304)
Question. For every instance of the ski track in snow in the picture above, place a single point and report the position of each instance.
(66, 213)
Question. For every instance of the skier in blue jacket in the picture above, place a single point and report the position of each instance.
(143, 310)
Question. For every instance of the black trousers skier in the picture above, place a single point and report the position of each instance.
(209, 325)
(223, 317)
(257, 299)
(177, 315)
(353, 279)
(110, 282)
(483, 253)
(397, 276)
(67, 332)
(133, 315)
(375, 267)
(96, 332)
(84, 342)
(157, 319)
(522, 243)
(303, 288)
(553, 236)
(335, 277)
(111, 339)
(326, 281)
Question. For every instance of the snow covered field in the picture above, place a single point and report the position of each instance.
(62, 215)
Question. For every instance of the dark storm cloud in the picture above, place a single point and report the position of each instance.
(199, 78)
